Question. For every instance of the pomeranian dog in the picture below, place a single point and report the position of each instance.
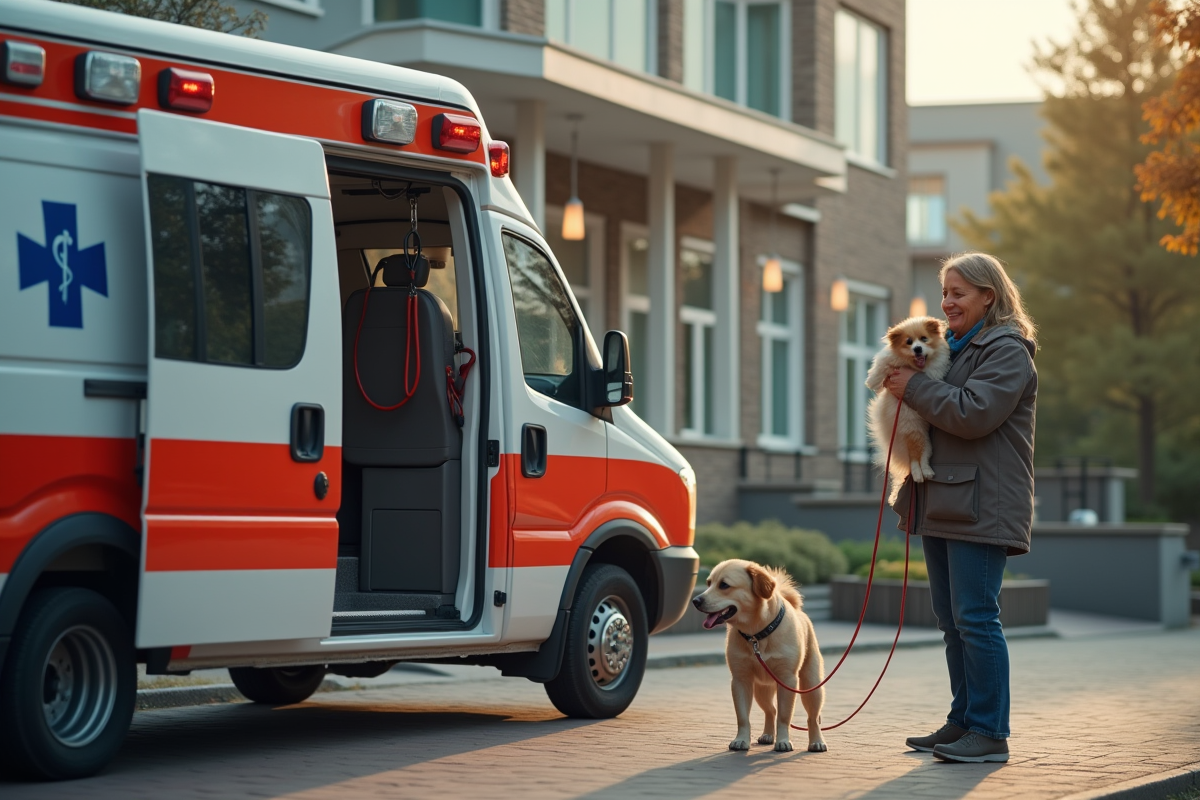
(920, 343)
(764, 603)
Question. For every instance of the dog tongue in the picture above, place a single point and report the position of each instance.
(921, 362)
(713, 620)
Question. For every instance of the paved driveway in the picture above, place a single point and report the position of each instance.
(1088, 714)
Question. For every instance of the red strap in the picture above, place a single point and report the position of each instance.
(456, 387)
(412, 347)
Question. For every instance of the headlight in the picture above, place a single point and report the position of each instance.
(689, 482)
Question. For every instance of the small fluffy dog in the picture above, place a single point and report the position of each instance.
(749, 598)
(920, 343)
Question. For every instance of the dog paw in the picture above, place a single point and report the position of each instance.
(817, 747)
(739, 744)
(766, 738)
(918, 474)
(928, 472)
(783, 746)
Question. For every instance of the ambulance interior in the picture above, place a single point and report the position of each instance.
(402, 533)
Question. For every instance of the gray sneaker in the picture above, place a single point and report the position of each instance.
(973, 748)
(947, 734)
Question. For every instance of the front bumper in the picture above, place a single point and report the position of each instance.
(677, 567)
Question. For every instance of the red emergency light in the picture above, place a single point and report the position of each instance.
(498, 158)
(456, 133)
(186, 90)
(24, 63)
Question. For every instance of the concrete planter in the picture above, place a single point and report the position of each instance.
(1022, 602)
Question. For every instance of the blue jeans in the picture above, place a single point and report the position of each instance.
(964, 582)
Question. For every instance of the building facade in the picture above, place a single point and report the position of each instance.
(710, 136)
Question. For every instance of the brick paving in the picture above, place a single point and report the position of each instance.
(1088, 713)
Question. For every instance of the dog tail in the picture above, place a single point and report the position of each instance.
(786, 586)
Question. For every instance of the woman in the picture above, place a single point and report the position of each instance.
(978, 508)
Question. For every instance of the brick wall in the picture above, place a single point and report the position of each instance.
(670, 40)
(523, 16)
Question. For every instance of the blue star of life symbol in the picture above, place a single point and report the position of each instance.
(62, 264)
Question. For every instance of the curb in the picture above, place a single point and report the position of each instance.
(1150, 787)
(182, 696)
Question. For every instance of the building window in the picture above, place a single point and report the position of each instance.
(621, 31)
(781, 329)
(635, 312)
(738, 50)
(699, 332)
(927, 210)
(582, 262)
(860, 78)
(862, 325)
(464, 12)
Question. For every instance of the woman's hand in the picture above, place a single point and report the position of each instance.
(897, 381)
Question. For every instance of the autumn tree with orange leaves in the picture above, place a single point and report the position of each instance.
(1171, 173)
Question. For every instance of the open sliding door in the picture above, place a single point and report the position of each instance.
(243, 463)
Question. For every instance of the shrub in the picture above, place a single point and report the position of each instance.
(891, 548)
(917, 570)
(808, 556)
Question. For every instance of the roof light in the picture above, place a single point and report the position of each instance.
(186, 90)
(24, 63)
(456, 133)
(108, 77)
(498, 158)
(389, 121)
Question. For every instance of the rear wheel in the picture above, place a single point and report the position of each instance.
(278, 686)
(605, 651)
(69, 684)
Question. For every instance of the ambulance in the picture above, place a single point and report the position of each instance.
(290, 383)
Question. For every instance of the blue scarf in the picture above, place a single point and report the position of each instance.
(956, 344)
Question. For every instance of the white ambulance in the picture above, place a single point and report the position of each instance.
(290, 383)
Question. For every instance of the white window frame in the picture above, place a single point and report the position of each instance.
(709, 50)
(862, 353)
(911, 206)
(700, 319)
(793, 334)
(590, 297)
(489, 17)
(633, 303)
(883, 149)
(651, 65)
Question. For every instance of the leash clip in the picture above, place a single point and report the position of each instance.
(754, 644)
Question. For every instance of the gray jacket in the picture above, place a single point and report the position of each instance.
(981, 426)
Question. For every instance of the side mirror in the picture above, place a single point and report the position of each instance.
(617, 384)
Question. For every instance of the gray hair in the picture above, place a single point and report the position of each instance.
(986, 272)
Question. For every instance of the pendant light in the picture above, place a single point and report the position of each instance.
(917, 307)
(839, 295)
(572, 226)
(772, 280)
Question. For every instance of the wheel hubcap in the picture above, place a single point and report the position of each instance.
(610, 642)
(79, 686)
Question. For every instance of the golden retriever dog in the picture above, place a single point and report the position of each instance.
(750, 598)
(920, 343)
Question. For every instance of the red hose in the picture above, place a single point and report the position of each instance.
(413, 346)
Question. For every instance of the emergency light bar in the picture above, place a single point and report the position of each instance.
(108, 77)
(186, 90)
(498, 158)
(456, 133)
(24, 64)
(389, 121)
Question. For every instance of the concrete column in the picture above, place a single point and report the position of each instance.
(660, 401)
(529, 158)
(726, 299)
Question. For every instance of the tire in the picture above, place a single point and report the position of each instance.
(69, 685)
(278, 686)
(604, 656)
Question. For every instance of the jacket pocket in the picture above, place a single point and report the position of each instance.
(952, 494)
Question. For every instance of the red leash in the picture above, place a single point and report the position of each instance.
(862, 614)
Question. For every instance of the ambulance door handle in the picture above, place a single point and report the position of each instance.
(308, 432)
(533, 450)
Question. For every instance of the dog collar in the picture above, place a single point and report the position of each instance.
(767, 631)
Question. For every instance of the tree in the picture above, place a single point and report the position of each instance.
(210, 14)
(1117, 313)
(1172, 173)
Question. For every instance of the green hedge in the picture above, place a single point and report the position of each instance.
(808, 556)
(891, 548)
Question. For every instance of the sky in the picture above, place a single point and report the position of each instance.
(979, 50)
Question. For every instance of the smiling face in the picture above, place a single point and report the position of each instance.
(916, 339)
(963, 303)
(735, 588)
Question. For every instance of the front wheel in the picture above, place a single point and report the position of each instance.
(277, 686)
(69, 685)
(604, 657)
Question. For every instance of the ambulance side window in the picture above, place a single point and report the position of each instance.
(231, 273)
(548, 330)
